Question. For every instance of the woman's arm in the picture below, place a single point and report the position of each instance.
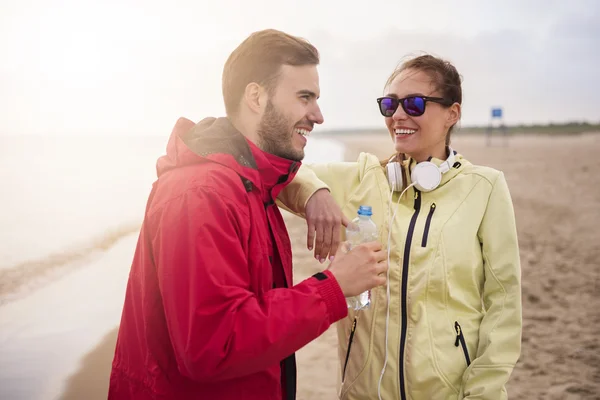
(317, 193)
(500, 330)
(338, 178)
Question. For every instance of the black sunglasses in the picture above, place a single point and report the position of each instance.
(412, 105)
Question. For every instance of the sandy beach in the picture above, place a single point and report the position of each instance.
(556, 193)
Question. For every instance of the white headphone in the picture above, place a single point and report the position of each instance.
(426, 176)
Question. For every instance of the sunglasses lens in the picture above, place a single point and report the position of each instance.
(414, 106)
(388, 106)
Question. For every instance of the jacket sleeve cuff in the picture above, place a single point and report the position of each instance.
(332, 294)
(306, 193)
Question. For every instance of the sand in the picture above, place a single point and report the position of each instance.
(556, 193)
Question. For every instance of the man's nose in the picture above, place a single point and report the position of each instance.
(316, 116)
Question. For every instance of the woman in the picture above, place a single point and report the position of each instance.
(448, 324)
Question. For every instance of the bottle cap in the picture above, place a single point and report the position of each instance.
(365, 210)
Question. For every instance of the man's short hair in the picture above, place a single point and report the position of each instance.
(259, 59)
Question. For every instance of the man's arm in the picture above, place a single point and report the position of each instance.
(218, 327)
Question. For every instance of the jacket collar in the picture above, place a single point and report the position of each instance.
(217, 140)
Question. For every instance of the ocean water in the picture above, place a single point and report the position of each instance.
(70, 209)
(61, 194)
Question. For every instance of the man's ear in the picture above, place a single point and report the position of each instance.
(255, 97)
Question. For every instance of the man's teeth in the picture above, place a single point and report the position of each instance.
(303, 132)
(405, 131)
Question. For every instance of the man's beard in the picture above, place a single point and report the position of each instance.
(275, 135)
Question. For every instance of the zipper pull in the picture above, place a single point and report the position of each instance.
(458, 334)
(417, 201)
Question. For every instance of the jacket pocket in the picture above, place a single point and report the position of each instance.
(460, 341)
(350, 339)
(427, 225)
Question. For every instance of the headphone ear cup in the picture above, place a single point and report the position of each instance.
(426, 176)
(394, 173)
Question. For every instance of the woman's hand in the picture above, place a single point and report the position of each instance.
(324, 219)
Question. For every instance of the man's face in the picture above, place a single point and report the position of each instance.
(291, 112)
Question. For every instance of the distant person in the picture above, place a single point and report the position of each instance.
(449, 324)
(211, 311)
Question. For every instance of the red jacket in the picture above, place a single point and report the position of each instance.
(210, 311)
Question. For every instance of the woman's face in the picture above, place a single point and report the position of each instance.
(420, 136)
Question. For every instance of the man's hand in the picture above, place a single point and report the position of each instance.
(362, 268)
(325, 219)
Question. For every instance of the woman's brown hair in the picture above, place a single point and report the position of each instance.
(446, 80)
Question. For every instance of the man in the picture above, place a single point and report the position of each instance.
(211, 311)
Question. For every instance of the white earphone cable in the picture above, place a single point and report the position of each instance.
(387, 283)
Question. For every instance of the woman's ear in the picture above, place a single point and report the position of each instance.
(453, 115)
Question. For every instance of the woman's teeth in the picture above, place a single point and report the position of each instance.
(303, 132)
(405, 131)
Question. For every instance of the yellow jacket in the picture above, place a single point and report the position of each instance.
(455, 283)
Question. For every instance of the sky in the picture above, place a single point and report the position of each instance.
(83, 67)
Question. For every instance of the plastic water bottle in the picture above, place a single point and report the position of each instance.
(364, 230)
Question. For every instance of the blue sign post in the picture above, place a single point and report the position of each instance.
(496, 115)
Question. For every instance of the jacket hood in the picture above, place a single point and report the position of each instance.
(217, 140)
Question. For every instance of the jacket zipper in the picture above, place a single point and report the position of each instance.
(405, 264)
(460, 339)
(427, 224)
(350, 339)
